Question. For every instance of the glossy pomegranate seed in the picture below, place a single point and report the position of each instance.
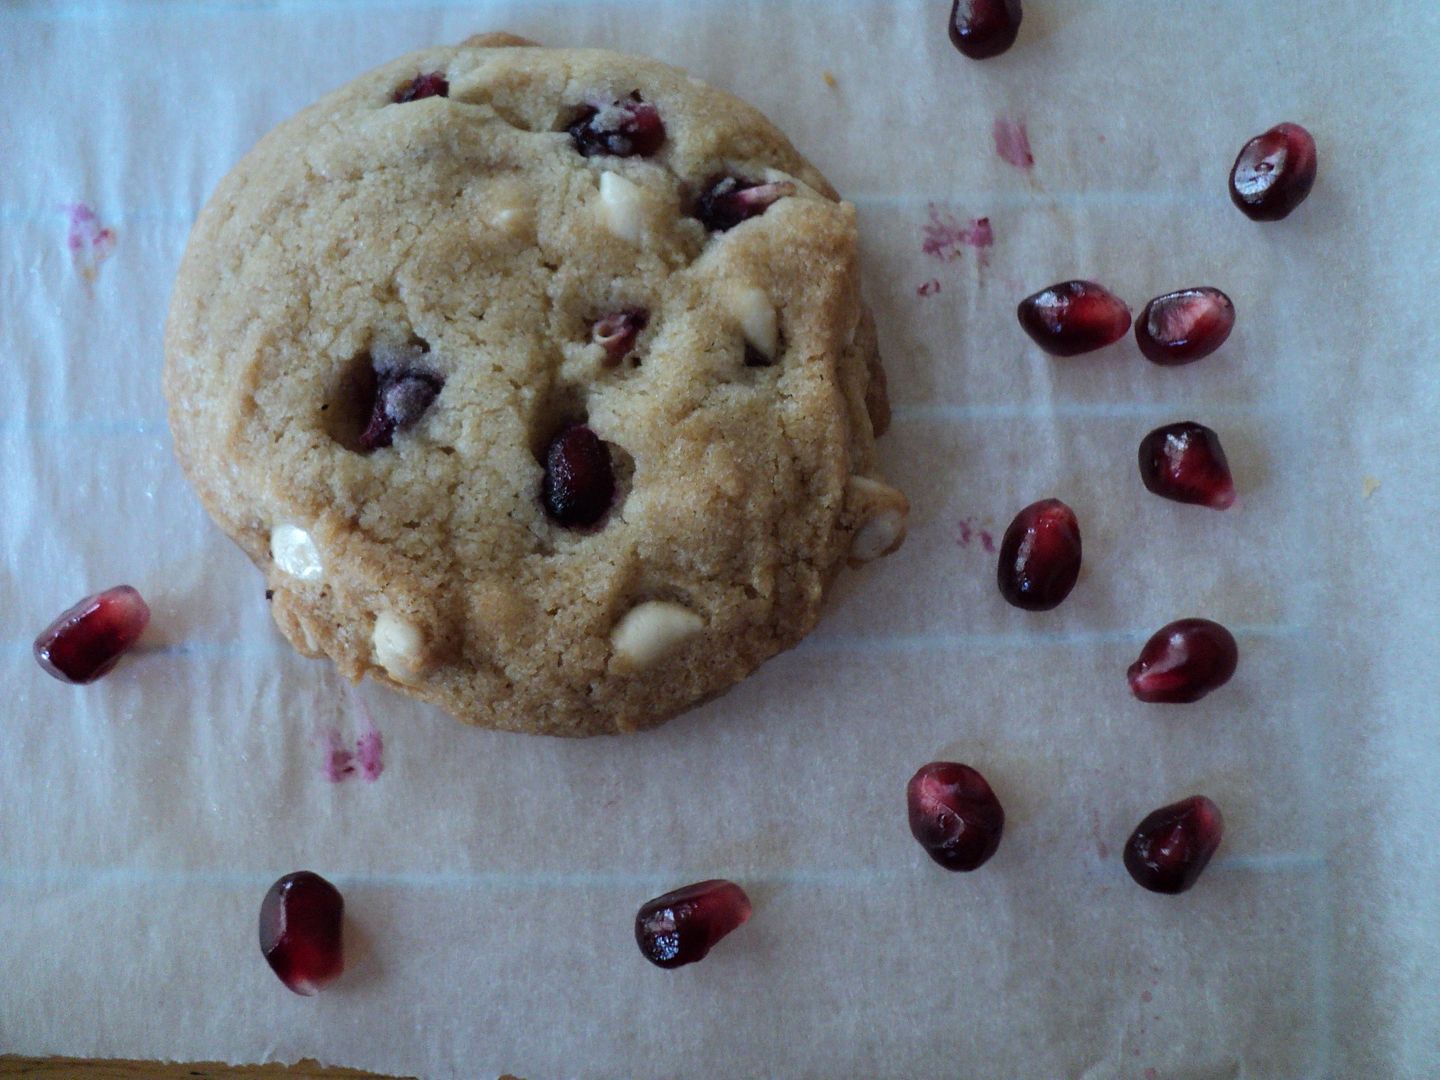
(683, 926)
(579, 482)
(1273, 173)
(627, 128)
(1074, 317)
(300, 931)
(729, 200)
(422, 86)
(87, 640)
(616, 333)
(954, 814)
(1186, 462)
(1040, 556)
(1183, 662)
(984, 28)
(402, 394)
(1184, 326)
(1167, 850)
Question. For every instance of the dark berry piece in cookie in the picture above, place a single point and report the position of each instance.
(616, 333)
(579, 482)
(402, 394)
(630, 127)
(431, 84)
(729, 200)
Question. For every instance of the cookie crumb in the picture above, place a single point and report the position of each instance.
(830, 80)
(1369, 486)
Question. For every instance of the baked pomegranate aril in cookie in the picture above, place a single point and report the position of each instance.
(682, 927)
(538, 383)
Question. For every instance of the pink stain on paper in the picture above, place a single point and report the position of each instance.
(339, 761)
(945, 237)
(1151, 1074)
(89, 241)
(1012, 142)
(930, 288)
(967, 531)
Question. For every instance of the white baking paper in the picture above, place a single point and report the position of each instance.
(491, 880)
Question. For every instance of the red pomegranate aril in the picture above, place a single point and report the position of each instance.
(88, 639)
(402, 394)
(1074, 317)
(954, 815)
(1185, 462)
(984, 28)
(1184, 326)
(300, 931)
(682, 927)
(1168, 849)
(1183, 661)
(433, 84)
(579, 482)
(630, 127)
(616, 333)
(1273, 173)
(1040, 556)
(729, 200)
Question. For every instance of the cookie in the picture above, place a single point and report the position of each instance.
(536, 381)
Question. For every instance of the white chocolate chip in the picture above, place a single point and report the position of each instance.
(399, 647)
(758, 319)
(882, 512)
(622, 206)
(650, 630)
(294, 552)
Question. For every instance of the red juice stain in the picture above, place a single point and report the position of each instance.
(1151, 1074)
(1012, 142)
(945, 236)
(987, 542)
(337, 762)
(89, 241)
(930, 288)
(1146, 996)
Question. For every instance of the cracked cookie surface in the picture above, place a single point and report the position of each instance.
(536, 381)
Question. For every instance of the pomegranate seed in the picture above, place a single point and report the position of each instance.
(1273, 173)
(87, 640)
(627, 128)
(729, 200)
(1040, 556)
(683, 926)
(616, 333)
(300, 931)
(954, 814)
(1183, 662)
(1184, 326)
(422, 86)
(402, 394)
(1167, 850)
(984, 28)
(579, 482)
(1186, 462)
(1074, 317)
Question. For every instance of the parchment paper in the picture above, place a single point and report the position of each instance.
(491, 880)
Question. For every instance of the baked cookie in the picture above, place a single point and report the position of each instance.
(537, 382)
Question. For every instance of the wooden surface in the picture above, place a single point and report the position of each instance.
(67, 1068)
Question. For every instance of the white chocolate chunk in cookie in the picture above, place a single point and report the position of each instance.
(758, 319)
(294, 552)
(622, 207)
(881, 512)
(399, 647)
(650, 630)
